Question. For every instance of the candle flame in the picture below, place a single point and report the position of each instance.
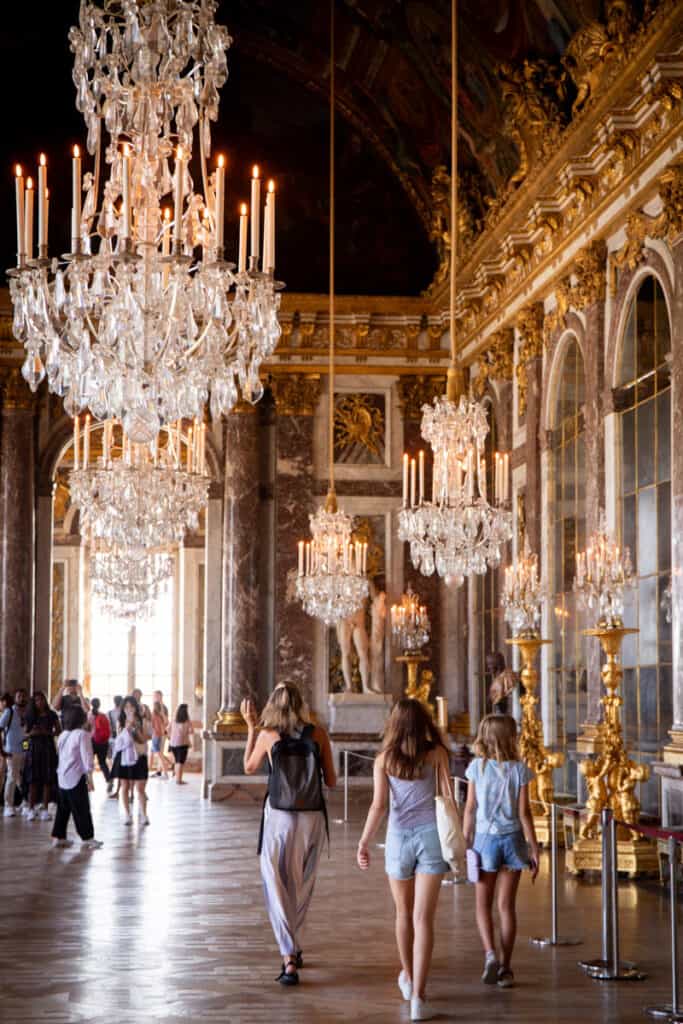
(254, 172)
(167, 213)
(77, 151)
(243, 209)
(47, 193)
(126, 149)
(221, 161)
(179, 153)
(18, 171)
(271, 185)
(42, 160)
(29, 183)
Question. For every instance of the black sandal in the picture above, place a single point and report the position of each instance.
(288, 979)
(299, 960)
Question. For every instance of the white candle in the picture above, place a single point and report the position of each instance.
(301, 558)
(266, 235)
(47, 214)
(506, 476)
(203, 455)
(19, 192)
(86, 441)
(189, 450)
(165, 243)
(255, 213)
(76, 442)
(412, 482)
(179, 189)
(482, 478)
(405, 479)
(76, 190)
(271, 247)
(126, 212)
(177, 443)
(220, 201)
(421, 461)
(28, 219)
(365, 557)
(242, 259)
(42, 189)
(308, 558)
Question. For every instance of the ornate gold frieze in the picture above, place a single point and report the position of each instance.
(530, 322)
(497, 362)
(295, 394)
(414, 392)
(590, 268)
(667, 225)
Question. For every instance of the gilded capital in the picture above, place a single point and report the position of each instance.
(414, 392)
(14, 391)
(590, 268)
(295, 394)
(530, 323)
(497, 362)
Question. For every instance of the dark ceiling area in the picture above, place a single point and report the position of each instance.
(393, 107)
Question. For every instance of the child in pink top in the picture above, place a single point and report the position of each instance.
(181, 740)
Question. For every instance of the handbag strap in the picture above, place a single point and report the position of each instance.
(440, 775)
(499, 799)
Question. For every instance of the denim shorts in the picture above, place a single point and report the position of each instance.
(496, 852)
(156, 744)
(409, 851)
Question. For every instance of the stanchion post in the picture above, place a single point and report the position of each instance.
(671, 1012)
(346, 785)
(554, 939)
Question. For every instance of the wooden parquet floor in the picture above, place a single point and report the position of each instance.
(166, 925)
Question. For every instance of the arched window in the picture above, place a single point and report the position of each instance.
(643, 400)
(488, 610)
(568, 535)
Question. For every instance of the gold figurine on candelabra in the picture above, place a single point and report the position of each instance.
(522, 596)
(410, 629)
(602, 575)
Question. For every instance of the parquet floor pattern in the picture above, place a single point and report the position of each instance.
(166, 925)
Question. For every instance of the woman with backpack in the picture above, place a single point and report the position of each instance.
(293, 827)
(413, 761)
(100, 733)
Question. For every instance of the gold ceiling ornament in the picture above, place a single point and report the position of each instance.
(590, 269)
(530, 323)
(357, 421)
(666, 225)
(416, 391)
(532, 94)
(497, 362)
(556, 319)
(295, 394)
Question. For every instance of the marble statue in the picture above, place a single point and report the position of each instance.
(378, 614)
(353, 633)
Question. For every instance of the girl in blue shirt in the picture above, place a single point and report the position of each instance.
(498, 825)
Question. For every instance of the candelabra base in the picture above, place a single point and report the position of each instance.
(635, 857)
(542, 827)
(229, 721)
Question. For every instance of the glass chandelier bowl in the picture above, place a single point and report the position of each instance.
(143, 319)
(126, 581)
(603, 572)
(410, 624)
(332, 578)
(523, 594)
(458, 532)
(139, 496)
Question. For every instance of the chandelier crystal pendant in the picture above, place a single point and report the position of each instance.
(523, 594)
(603, 573)
(138, 497)
(410, 624)
(459, 532)
(332, 581)
(127, 581)
(143, 319)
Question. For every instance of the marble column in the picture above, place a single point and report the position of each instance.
(296, 397)
(532, 419)
(673, 753)
(43, 600)
(17, 530)
(240, 563)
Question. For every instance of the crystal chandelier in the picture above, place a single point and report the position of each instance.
(134, 496)
(603, 572)
(666, 603)
(458, 532)
(410, 623)
(332, 578)
(127, 581)
(523, 593)
(144, 320)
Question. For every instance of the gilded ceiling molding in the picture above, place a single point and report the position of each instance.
(590, 269)
(295, 394)
(414, 392)
(666, 225)
(530, 327)
(14, 391)
(497, 362)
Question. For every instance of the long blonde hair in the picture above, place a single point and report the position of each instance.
(497, 739)
(286, 710)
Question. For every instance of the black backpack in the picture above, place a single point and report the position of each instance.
(295, 781)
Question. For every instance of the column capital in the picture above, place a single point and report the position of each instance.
(295, 394)
(14, 391)
(416, 391)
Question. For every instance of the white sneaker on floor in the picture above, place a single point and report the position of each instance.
(91, 844)
(406, 986)
(62, 842)
(420, 1009)
(31, 815)
(143, 819)
(490, 973)
(9, 812)
(45, 815)
(128, 820)
(24, 810)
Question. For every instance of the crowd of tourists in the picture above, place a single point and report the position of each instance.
(48, 755)
(410, 772)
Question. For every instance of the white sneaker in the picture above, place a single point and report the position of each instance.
(128, 820)
(31, 815)
(62, 842)
(24, 810)
(144, 820)
(406, 986)
(491, 967)
(45, 815)
(421, 1010)
(91, 844)
(9, 812)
